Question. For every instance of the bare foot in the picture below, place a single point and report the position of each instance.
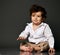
(24, 48)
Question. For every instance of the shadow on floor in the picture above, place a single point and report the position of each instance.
(17, 52)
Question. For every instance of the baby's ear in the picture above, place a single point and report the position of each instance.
(43, 19)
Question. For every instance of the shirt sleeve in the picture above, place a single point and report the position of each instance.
(25, 32)
(49, 35)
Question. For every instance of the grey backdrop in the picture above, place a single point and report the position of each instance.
(14, 14)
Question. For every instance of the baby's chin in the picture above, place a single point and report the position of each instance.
(36, 23)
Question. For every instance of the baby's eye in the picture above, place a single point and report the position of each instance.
(38, 16)
(33, 15)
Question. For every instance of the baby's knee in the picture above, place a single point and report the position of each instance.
(26, 48)
(21, 47)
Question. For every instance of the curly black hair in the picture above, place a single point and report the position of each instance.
(37, 8)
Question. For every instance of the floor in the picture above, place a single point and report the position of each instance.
(17, 52)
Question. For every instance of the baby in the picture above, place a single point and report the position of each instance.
(40, 35)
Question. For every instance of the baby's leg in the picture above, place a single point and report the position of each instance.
(25, 47)
(43, 46)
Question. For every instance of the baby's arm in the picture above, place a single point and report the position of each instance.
(49, 35)
(24, 34)
(21, 38)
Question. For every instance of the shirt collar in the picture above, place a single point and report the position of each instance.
(39, 25)
(30, 24)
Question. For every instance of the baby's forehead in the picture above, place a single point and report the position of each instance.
(38, 13)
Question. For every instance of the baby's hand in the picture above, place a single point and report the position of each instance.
(21, 38)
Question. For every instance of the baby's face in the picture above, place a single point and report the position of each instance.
(36, 18)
